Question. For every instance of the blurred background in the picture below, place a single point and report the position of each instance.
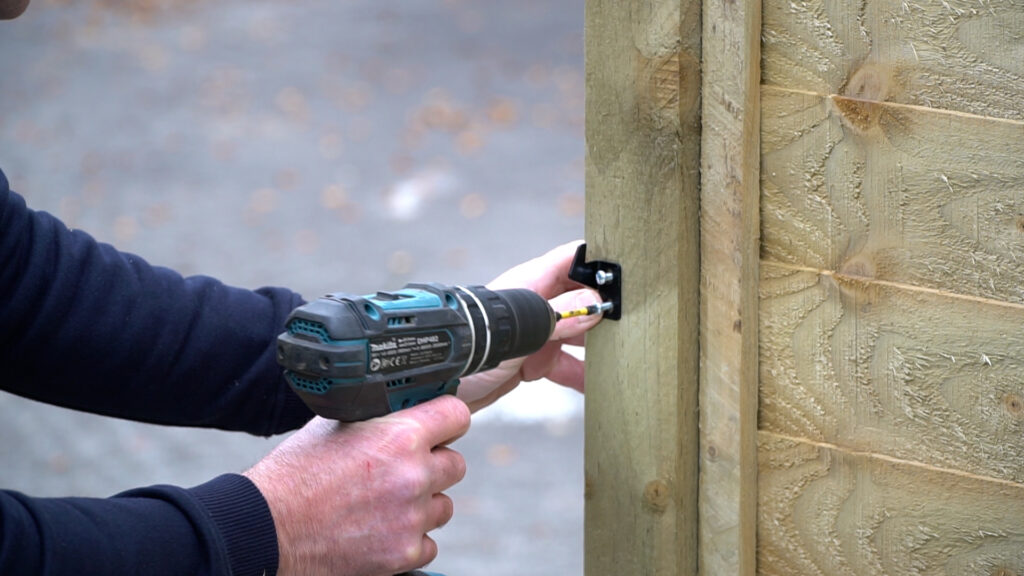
(322, 145)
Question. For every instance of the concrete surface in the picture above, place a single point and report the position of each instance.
(322, 145)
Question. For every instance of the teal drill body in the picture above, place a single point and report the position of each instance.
(351, 357)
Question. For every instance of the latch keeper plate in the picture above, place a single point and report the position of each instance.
(587, 273)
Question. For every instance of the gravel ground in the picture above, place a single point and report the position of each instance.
(322, 145)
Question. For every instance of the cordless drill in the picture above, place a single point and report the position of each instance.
(354, 357)
(351, 358)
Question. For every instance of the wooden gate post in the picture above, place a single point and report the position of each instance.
(643, 159)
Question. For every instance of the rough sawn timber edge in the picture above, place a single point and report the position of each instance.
(729, 271)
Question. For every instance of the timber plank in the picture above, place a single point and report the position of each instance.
(730, 191)
(897, 193)
(912, 374)
(825, 511)
(962, 55)
(642, 180)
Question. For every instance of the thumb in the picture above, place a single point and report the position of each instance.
(573, 327)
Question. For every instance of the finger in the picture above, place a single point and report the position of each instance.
(578, 340)
(444, 419)
(484, 398)
(556, 365)
(422, 553)
(573, 327)
(442, 509)
(449, 468)
(548, 275)
(555, 265)
(567, 370)
(428, 551)
(540, 363)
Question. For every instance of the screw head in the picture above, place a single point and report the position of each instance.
(604, 277)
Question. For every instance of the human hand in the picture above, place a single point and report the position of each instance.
(548, 276)
(358, 498)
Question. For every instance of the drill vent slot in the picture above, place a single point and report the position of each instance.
(320, 386)
(400, 320)
(399, 382)
(301, 327)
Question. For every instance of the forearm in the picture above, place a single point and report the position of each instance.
(219, 528)
(87, 327)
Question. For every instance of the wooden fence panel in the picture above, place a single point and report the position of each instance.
(962, 55)
(909, 374)
(828, 512)
(886, 230)
(896, 193)
(891, 408)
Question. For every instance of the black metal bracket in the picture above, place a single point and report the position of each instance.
(603, 276)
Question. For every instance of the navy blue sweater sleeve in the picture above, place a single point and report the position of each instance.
(223, 527)
(85, 326)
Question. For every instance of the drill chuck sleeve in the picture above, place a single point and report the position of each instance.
(523, 322)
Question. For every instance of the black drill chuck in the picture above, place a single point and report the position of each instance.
(356, 357)
(519, 322)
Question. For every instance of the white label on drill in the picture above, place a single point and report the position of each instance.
(396, 353)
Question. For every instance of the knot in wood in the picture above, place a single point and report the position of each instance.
(737, 326)
(1014, 405)
(713, 450)
(672, 87)
(861, 115)
(870, 82)
(657, 496)
(858, 104)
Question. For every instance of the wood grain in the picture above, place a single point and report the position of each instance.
(896, 193)
(730, 190)
(891, 288)
(642, 182)
(829, 512)
(912, 374)
(962, 55)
